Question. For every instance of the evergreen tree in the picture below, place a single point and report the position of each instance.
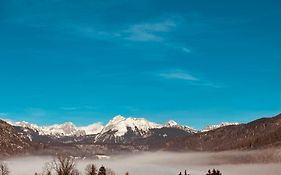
(185, 172)
(91, 170)
(102, 171)
(214, 172)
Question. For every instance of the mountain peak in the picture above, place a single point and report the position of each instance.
(117, 119)
(121, 124)
(171, 123)
(68, 123)
(94, 128)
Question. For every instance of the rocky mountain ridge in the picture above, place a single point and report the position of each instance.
(118, 123)
(137, 134)
(260, 133)
(12, 142)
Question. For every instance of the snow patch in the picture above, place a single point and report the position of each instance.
(212, 127)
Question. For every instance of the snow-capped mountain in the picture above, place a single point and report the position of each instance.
(120, 125)
(123, 130)
(116, 130)
(146, 136)
(212, 127)
(65, 129)
(92, 129)
(131, 130)
(173, 124)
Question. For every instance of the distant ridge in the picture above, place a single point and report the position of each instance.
(119, 124)
(137, 134)
(260, 133)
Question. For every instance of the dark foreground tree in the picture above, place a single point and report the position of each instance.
(65, 165)
(214, 172)
(91, 170)
(102, 171)
(4, 169)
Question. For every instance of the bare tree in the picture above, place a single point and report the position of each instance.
(4, 169)
(65, 165)
(47, 170)
(91, 170)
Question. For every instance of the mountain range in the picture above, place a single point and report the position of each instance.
(118, 123)
(136, 134)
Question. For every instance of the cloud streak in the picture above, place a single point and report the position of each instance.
(178, 74)
(149, 31)
(185, 76)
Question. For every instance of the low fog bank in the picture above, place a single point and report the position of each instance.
(165, 163)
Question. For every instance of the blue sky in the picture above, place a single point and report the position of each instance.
(197, 62)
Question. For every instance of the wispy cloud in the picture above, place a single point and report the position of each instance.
(178, 47)
(149, 31)
(92, 32)
(186, 50)
(178, 74)
(157, 31)
(133, 32)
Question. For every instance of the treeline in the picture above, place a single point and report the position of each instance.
(66, 165)
(213, 172)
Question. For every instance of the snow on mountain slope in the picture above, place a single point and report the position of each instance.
(25, 124)
(128, 130)
(120, 125)
(92, 129)
(212, 127)
(173, 124)
(117, 127)
(65, 129)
